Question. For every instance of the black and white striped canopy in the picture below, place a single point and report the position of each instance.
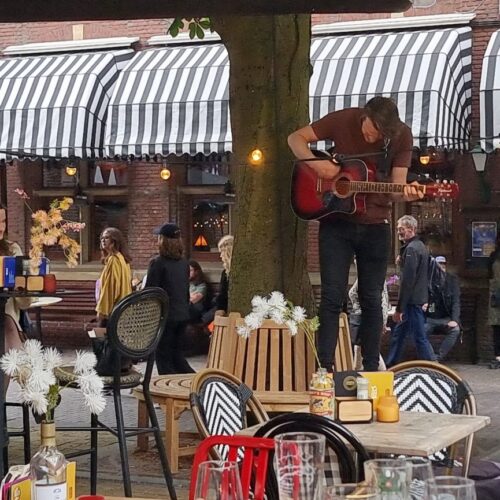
(55, 106)
(171, 100)
(489, 96)
(428, 74)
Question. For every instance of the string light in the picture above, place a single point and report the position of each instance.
(165, 173)
(71, 170)
(256, 157)
(425, 159)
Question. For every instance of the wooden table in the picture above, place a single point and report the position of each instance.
(415, 434)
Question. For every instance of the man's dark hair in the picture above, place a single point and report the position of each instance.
(383, 112)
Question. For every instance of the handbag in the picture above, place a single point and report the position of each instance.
(106, 358)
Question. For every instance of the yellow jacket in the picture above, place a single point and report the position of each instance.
(116, 283)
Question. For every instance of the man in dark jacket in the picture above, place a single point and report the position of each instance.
(413, 294)
(443, 314)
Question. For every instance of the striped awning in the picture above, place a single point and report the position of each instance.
(55, 106)
(428, 74)
(171, 100)
(489, 96)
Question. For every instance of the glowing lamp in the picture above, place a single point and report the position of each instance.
(165, 173)
(71, 170)
(200, 241)
(424, 159)
(256, 157)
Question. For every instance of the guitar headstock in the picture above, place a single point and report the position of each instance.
(442, 189)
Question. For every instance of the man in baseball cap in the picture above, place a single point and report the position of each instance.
(169, 230)
(443, 313)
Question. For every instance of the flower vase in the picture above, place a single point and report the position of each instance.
(322, 394)
(48, 467)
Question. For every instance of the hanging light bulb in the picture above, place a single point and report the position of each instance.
(256, 157)
(71, 170)
(424, 159)
(165, 173)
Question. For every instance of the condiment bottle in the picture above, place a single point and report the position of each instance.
(322, 394)
(387, 408)
(362, 384)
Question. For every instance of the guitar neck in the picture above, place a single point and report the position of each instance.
(381, 187)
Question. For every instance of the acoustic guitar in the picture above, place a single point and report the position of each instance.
(314, 198)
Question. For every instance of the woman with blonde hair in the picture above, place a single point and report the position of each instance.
(225, 247)
(170, 270)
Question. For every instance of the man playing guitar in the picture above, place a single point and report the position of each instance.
(373, 129)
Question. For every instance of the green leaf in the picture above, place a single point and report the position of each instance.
(205, 23)
(173, 31)
(192, 30)
(199, 32)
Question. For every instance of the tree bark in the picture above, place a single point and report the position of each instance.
(269, 94)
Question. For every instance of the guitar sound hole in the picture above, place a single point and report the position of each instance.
(342, 187)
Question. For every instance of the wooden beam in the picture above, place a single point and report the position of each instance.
(20, 11)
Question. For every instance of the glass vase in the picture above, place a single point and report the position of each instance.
(48, 468)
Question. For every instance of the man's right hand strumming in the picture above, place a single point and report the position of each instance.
(299, 144)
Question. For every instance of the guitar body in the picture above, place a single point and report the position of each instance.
(315, 198)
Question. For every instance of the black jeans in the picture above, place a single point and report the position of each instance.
(169, 357)
(339, 241)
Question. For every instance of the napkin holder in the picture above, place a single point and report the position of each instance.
(349, 410)
(29, 283)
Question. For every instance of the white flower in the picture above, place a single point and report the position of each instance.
(299, 314)
(85, 362)
(95, 402)
(10, 362)
(40, 381)
(292, 326)
(243, 331)
(90, 383)
(36, 400)
(253, 320)
(34, 351)
(277, 315)
(52, 358)
(277, 300)
(260, 305)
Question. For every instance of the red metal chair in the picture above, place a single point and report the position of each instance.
(253, 464)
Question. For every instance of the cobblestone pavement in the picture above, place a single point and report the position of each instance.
(144, 466)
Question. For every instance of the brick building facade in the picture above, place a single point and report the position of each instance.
(147, 200)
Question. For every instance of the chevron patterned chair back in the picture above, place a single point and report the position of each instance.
(220, 403)
(425, 386)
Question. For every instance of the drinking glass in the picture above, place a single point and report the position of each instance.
(298, 460)
(348, 491)
(450, 488)
(421, 470)
(218, 480)
(390, 476)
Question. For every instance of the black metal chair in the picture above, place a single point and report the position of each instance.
(134, 330)
(339, 440)
(24, 432)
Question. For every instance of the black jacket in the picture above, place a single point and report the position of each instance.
(447, 301)
(414, 264)
(173, 276)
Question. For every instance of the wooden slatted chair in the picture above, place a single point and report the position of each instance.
(278, 367)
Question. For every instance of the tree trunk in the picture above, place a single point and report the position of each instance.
(269, 94)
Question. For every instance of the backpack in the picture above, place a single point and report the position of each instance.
(436, 279)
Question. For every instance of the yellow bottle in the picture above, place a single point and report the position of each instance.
(388, 408)
(322, 394)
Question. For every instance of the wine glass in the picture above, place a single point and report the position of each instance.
(299, 459)
(390, 475)
(218, 480)
(352, 491)
(450, 488)
(421, 471)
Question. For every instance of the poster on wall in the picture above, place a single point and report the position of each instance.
(484, 235)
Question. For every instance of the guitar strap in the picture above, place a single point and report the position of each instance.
(384, 162)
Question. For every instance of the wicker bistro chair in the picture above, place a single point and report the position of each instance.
(220, 403)
(344, 454)
(134, 330)
(425, 386)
